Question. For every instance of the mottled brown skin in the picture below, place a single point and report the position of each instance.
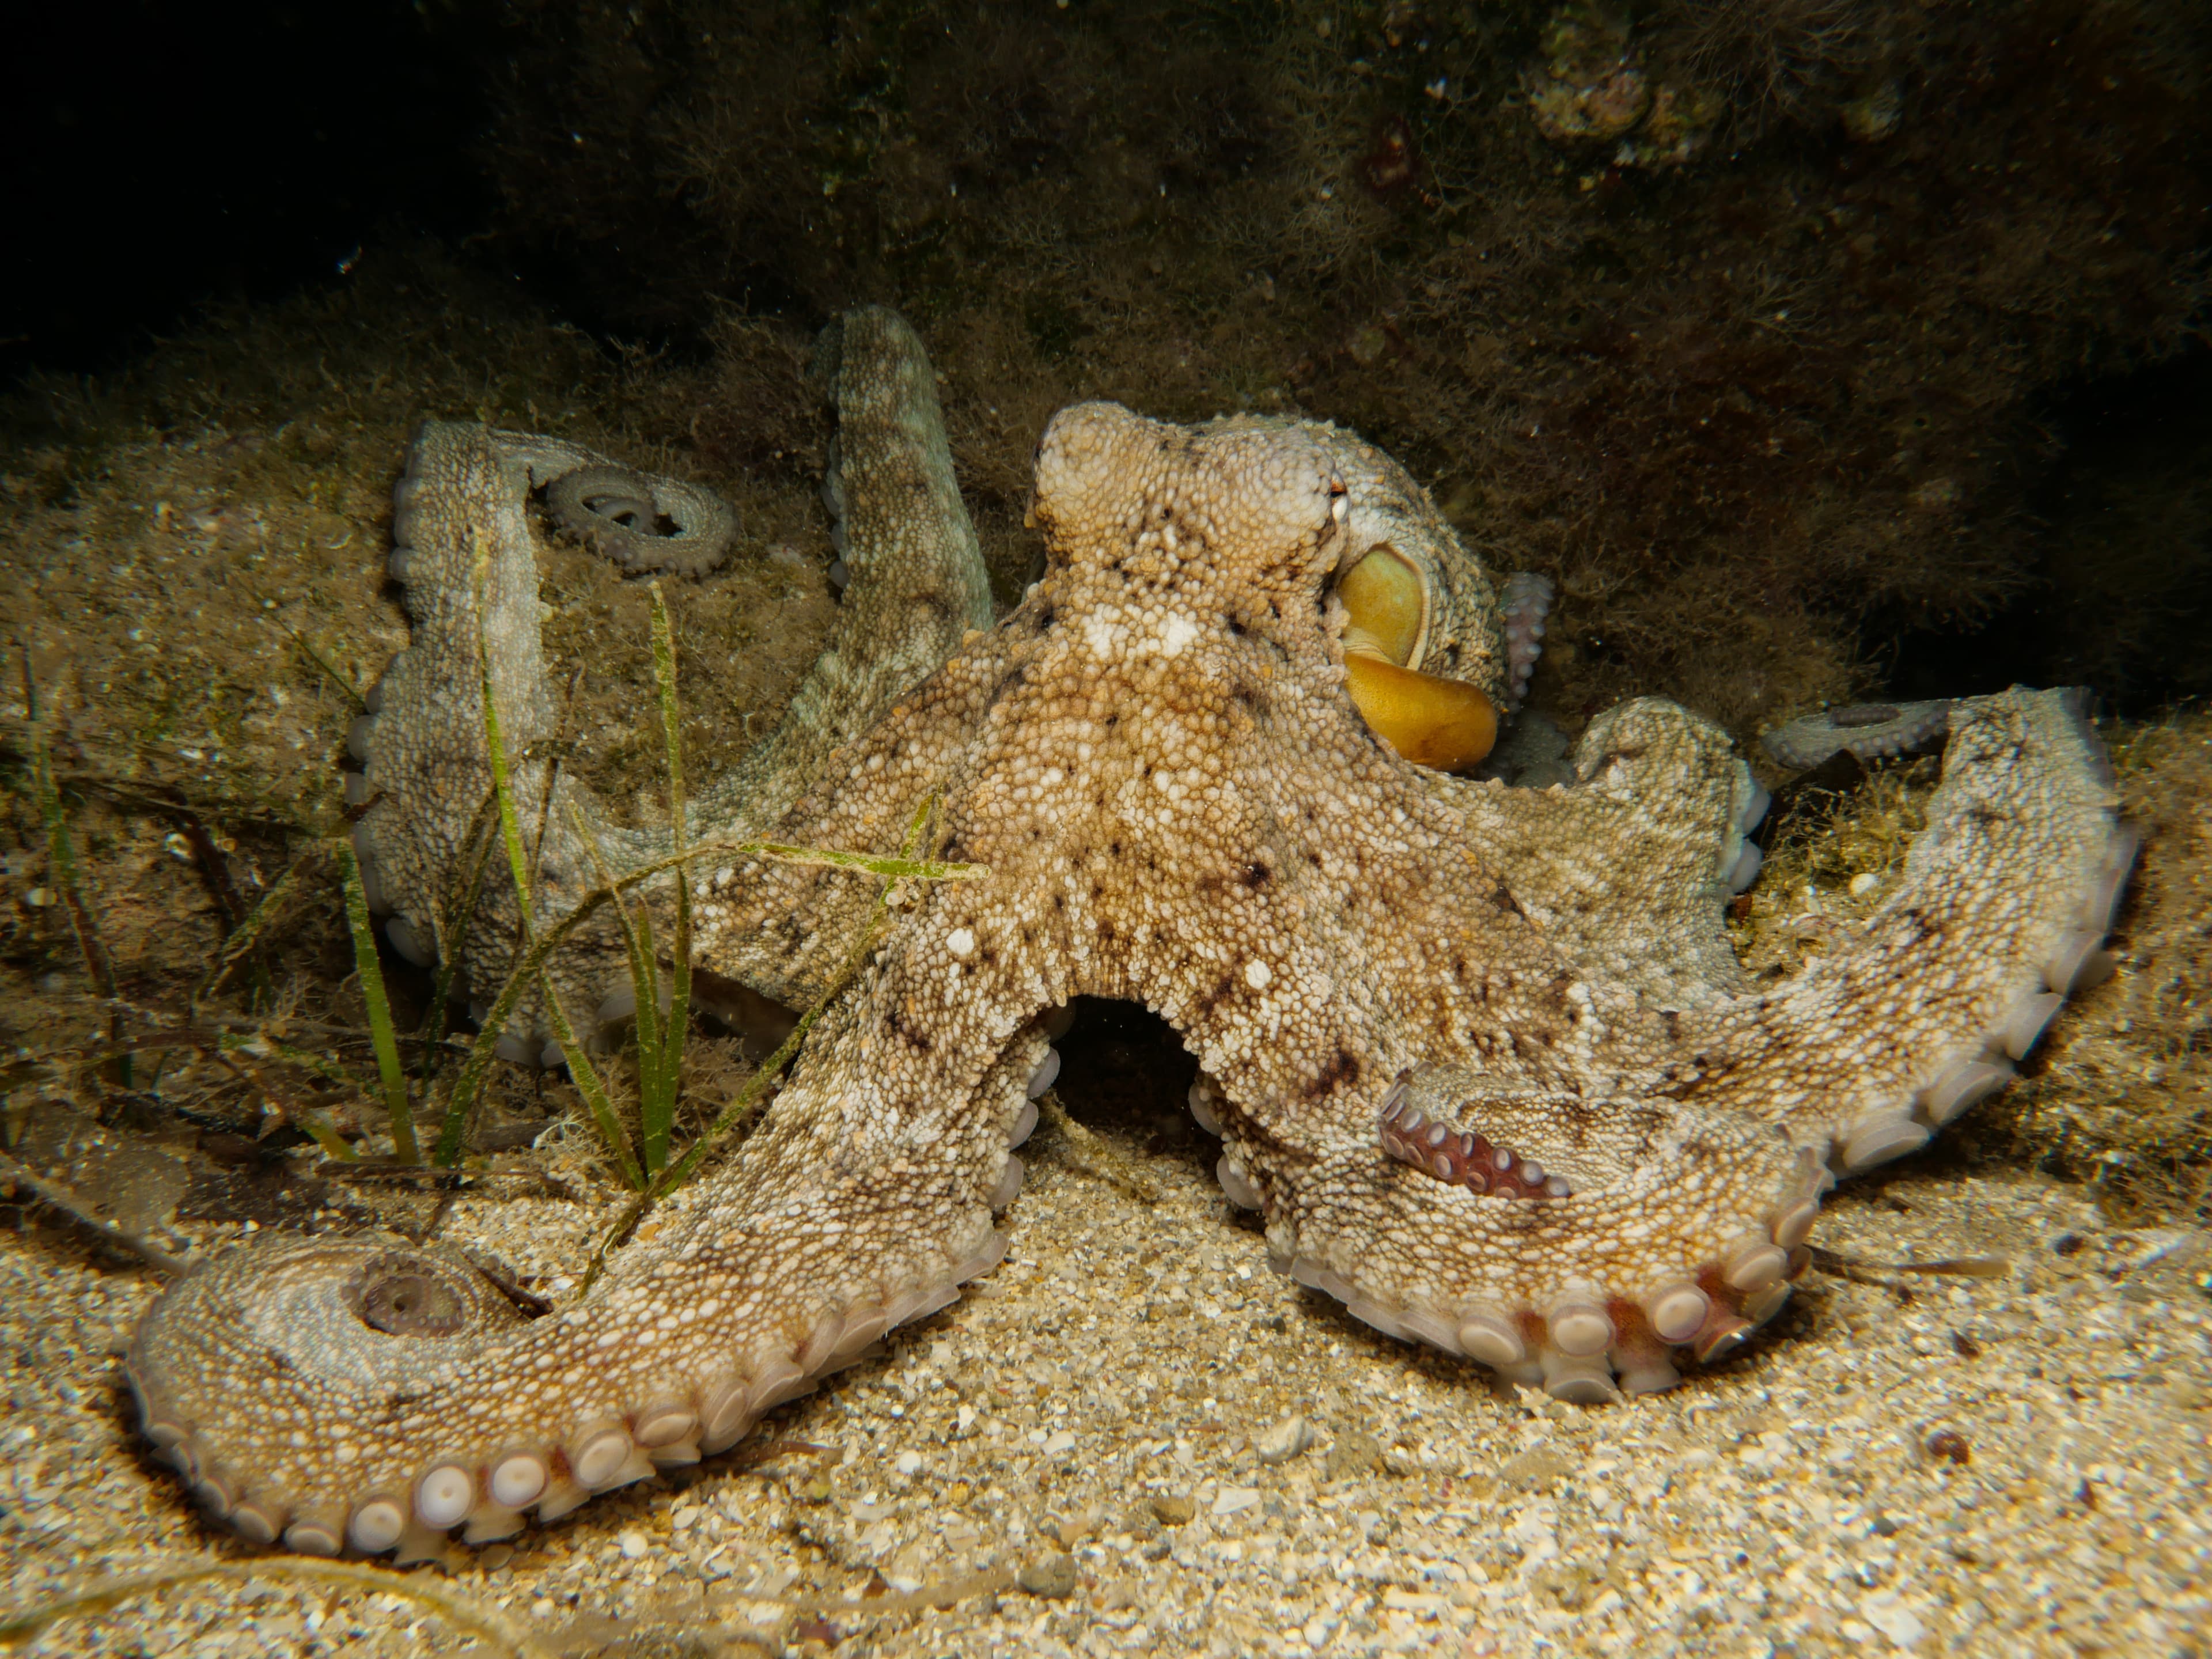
(1177, 804)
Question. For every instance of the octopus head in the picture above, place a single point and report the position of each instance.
(1255, 513)
(1254, 521)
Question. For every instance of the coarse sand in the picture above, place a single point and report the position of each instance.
(1133, 1438)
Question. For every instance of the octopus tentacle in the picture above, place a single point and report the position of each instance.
(1696, 1187)
(1871, 730)
(1674, 1223)
(919, 585)
(297, 1405)
(620, 512)
(2005, 897)
(1664, 791)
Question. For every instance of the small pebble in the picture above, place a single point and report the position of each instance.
(1231, 1499)
(1534, 1469)
(910, 1462)
(1864, 882)
(1053, 1577)
(634, 1545)
(1353, 1455)
(1174, 1511)
(1285, 1441)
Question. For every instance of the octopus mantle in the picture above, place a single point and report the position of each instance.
(1481, 1056)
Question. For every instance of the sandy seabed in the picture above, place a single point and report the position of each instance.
(1906, 1462)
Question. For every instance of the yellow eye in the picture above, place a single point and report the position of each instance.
(1430, 721)
(1384, 596)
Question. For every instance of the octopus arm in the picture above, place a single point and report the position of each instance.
(1660, 792)
(464, 555)
(369, 1394)
(2005, 900)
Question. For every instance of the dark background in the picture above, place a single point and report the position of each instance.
(160, 156)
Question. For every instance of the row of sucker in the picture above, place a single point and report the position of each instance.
(1461, 1155)
(1871, 730)
(1523, 602)
(1741, 859)
(833, 497)
(1590, 1344)
(421, 1292)
(412, 937)
(1025, 1120)
(2072, 959)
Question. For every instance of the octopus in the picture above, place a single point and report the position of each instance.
(1867, 731)
(1479, 1056)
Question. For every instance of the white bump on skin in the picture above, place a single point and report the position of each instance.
(1258, 975)
(961, 941)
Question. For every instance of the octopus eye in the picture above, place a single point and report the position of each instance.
(1432, 720)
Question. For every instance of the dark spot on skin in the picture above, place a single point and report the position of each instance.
(1576, 1117)
(1207, 1001)
(1344, 1070)
(1257, 874)
(1532, 1045)
(1672, 1021)
(1504, 899)
(1951, 1446)
(1520, 1218)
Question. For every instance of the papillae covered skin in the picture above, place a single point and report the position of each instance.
(1155, 757)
